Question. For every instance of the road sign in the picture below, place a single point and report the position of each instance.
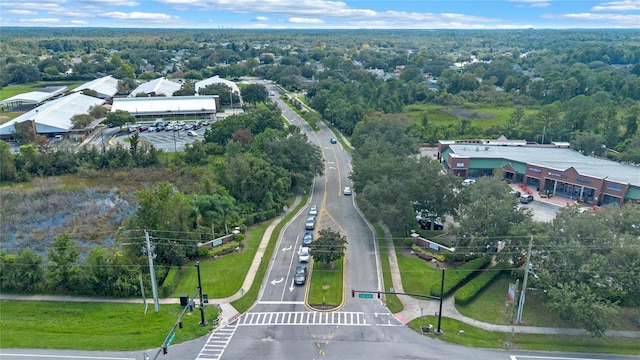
(365, 296)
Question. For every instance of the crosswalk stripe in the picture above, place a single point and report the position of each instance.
(303, 318)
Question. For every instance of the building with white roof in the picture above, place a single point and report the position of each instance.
(157, 87)
(552, 169)
(53, 117)
(160, 107)
(217, 80)
(106, 87)
(35, 97)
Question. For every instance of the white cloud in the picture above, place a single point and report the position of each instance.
(611, 20)
(21, 12)
(261, 18)
(299, 20)
(628, 5)
(138, 16)
(41, 21)
(114, 3)
(533, 3)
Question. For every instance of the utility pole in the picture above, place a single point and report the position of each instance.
(439, 331)
(154, 288)
(524, 282)
(203, 322)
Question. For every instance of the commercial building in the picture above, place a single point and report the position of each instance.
(553, 170)
(168, 107)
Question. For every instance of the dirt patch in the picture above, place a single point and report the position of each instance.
(469, 114)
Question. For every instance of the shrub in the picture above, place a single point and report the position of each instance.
(427, 255)
(224, 249)
(170, 282)
(453, 279)
(468, 292)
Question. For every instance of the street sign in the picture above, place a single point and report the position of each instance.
(365, 296)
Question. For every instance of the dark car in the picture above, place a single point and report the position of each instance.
(300, 276)
(425, 223)
(526, 198)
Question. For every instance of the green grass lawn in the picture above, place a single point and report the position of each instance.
(483, 118)
(490, 307)
(326, 285)
(463, 334)
(13, 90)
(94, 326)
(223, 277)
(417, 276)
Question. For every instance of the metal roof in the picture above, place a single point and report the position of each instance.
(159, 106)
(555, 158)
(36, 97)
(216, 80)
(54, 116)
(106, 86)
(157, 86)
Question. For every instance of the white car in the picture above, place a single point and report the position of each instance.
(303, 254)
(346, 191)
(467, 182)
(192, 133)
(313, 210)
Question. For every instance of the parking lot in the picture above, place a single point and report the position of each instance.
(169, 141)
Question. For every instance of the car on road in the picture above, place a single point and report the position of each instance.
(346, 191)
(526, 198)
(303, 254)
(300, 276)
(310, 224)
(307, 238)
(467, 182)
(333, 140)
(313, 210)
(192, 133)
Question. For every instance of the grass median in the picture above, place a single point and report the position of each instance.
(326, 286)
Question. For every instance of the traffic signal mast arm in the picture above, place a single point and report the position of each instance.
(354, 292)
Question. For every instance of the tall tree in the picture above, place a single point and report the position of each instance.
(63, 272)
(328, 247)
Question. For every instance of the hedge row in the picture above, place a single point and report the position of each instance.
(470, 290)
(170, 282)
(459, 276)
(427, 255)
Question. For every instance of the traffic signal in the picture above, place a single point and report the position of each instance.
(353, 293)
(378, 294)
(164, 350)
(180, 324)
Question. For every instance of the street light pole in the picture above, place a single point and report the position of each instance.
(203, 322)
(439, 330)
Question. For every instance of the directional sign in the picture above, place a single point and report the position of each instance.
(365, 296)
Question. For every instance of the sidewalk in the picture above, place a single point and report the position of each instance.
(415, 308)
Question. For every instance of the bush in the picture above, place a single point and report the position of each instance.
(467, 293)
(427, 255)
(408, 242)
(224, 249)
(453, 279)
(170, 282)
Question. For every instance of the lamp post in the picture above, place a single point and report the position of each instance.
(439, 330)
(524, 283)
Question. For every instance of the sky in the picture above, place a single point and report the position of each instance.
(322, 14)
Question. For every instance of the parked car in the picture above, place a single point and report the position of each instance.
(206, 123)
(188, 126)
(307, 238)
(467, 182)
(161, 127)
(526, 198)
(333, 140)
(310, 224)
(143, 128)
(192, 133)
(346, 191)
(313, 210)
(303, 254)
(515, 193)
(300, 276)
(425, 223)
